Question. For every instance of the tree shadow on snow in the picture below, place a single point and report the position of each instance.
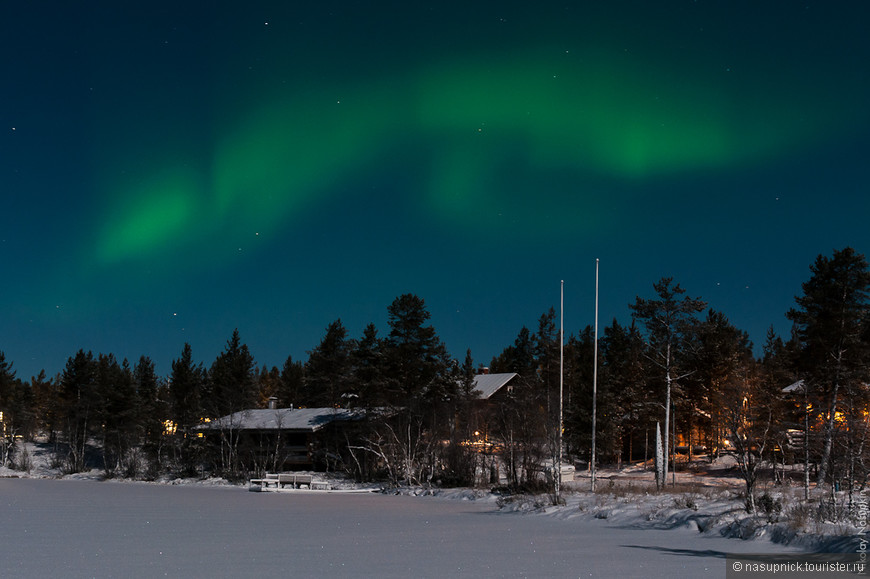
(685, 552)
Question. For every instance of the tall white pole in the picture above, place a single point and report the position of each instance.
(561, 382)
(594, 377)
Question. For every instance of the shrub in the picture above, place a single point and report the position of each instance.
(769, 506)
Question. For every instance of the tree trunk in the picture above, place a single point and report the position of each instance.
(660, 459)
(829, 434)
(667, 411)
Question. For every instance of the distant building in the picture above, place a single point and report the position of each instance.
(491, 389)
(489, 385)
(288, 438)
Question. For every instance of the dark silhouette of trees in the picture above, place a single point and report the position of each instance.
(718, 352)
(79, 403)
(622, 375)
(46, 406)
(421, 388)
(230, 386)
(290, 387)
(833, 341)
(667, 320)
(152, 413)
(186, 386)
(326, 380)
(524, 417)
(117, 415)
(422, 410)
(16, 410)
(369, 379)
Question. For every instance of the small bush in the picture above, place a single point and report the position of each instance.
(769, 506)
(686, 502)
(799, 515)
(23, 461)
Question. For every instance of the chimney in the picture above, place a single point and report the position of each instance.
(273, 403)
(483, 370)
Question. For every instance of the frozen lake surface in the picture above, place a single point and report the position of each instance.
(70, 528)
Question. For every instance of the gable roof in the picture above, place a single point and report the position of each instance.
(489, 384)
(287, 419)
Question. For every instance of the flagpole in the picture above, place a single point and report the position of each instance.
(561, 382)
(594, 377)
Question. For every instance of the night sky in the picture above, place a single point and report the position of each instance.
(171, 171)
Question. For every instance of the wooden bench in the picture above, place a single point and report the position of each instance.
(268, 479)
(280, 480)
(296, 480)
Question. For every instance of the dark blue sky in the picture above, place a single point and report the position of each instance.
(170, 173)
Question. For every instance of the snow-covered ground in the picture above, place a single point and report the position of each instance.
(211, 528)
(90, 529)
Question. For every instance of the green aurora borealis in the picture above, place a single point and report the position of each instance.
(473, 119)
(272, 168)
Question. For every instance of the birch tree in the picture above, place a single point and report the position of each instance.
(667, 320)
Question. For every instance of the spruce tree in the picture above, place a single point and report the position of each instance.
(518, 357)
(79, 402)
(186, 385)
(230, 385)
(185, 391)
(290, 388)
(369, 385)
(417, 359)
(327, 372)
(422, 384)
(152, 411)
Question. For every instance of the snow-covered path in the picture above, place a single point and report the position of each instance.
(107, 529)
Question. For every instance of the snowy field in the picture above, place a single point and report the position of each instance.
(80, 528)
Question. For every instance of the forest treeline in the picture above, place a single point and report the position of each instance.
(678, 364)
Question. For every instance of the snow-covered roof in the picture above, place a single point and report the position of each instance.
(298, 419)
(489, 384)
(795, 387)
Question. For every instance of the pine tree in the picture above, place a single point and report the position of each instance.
(186, 385)
(290, 387)
(523, 417)
(774, 375)
(79, 402)
(579, 352)
(230, 385)
(546, 341)
(369, 386)
(268, 385)
(519, 357)
(418, 361)
(422, 380)
(831, 322)
(47, 406)
(623, 378)
(116, 412)
(152, 411)
(9, 413)
(667, 319)
(719, 352)
(327, 372)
